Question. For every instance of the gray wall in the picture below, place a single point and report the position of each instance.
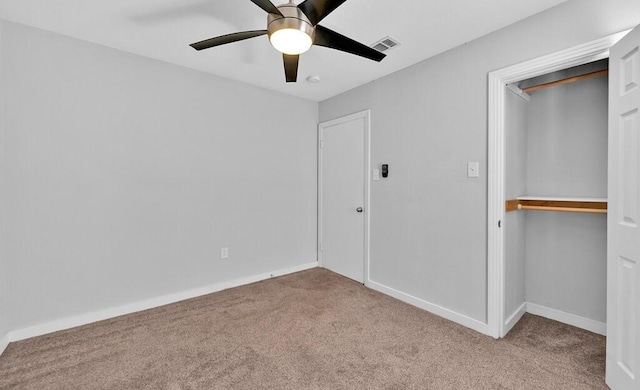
(567, 156)
(516, 185)
(428, 224)
(124, 176)
(4, 309)
(567, 262)
(567, 140)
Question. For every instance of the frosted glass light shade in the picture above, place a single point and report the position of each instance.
(290, 41)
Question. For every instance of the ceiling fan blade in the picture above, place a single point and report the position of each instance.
(331, 39)
(229, 38)
(267, 6)
(291, 67)
(316, 10)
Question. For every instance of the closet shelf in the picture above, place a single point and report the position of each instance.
(554, 203)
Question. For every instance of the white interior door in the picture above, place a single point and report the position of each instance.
(623, 257)
(343, 195)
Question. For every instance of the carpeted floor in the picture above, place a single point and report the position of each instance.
(309, 330)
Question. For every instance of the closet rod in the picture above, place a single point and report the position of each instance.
(566, 209)
(573, 205)
(566, 81)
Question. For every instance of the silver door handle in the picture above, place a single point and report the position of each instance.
(359, 209)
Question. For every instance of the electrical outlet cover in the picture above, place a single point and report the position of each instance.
(473, 169)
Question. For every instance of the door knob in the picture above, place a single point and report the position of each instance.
(359, 209)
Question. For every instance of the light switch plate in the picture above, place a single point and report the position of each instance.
(375, 175)
(473, 169)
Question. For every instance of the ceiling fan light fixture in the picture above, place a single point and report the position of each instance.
(290, 41)
(291, 33)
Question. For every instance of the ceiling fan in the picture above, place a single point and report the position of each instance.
(293, 29)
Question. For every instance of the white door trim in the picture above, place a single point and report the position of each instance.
(578, 55)
(366, 115)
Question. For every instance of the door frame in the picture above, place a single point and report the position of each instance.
(578, 55)
(366, 115)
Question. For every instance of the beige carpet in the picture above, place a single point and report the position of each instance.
(310, 330)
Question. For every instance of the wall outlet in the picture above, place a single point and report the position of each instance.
(473, 169)
(224, 253)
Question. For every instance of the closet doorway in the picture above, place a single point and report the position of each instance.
(555, 225)
(619, 254)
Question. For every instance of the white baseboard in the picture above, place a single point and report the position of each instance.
(514, 318)
(87, 318)
(569, 319)
(4, 343)
(431, 307)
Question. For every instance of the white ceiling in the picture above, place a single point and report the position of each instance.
(163, 29)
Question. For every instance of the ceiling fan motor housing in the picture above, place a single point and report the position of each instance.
(292, 18)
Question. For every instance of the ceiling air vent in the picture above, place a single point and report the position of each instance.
(385, 44)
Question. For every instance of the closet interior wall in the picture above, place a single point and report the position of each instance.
(556, 145)
(516, 185)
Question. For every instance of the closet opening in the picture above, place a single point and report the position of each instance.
(555, 222)
(559, 204)
(501, 83)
